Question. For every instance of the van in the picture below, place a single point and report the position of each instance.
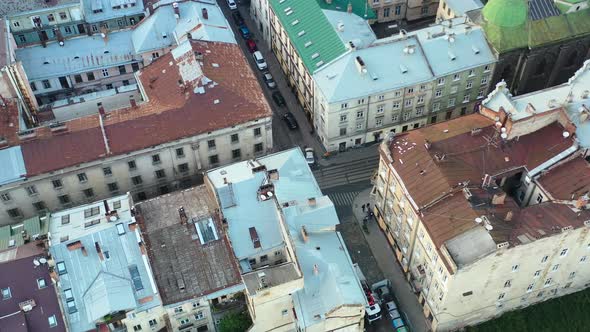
(232, 4)
(260, 62)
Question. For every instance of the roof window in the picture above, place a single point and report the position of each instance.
(308, 44)
(295, 22)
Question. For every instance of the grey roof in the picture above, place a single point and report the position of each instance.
(540, 9)
(100, 287)
(78, 55)
(162, 29)
(9, 7)
(350, 27)
(177, 255)
(460, 7)
(470, 246)
(108, 12)
(336, 283)
(13, 165)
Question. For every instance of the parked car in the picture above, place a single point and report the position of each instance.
(238, 18)
(270, 82)
(278, 98)
(251, 46)
(260, 62)
(397, 323)
(290, 120)
(392, 310)
(309, 156)
(245, 32)
(232, 4)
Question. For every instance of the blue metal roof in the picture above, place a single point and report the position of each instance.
(13, 165)
(100, 287)
(78, 55)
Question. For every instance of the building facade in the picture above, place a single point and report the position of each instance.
(430, 75)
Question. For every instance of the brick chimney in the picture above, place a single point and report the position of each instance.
(205, 13)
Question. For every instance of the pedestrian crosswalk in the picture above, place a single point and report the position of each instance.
(354, 171)
(343, 198)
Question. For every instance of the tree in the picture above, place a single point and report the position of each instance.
(235, 322)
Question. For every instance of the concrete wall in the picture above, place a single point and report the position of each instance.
(389, 10)
(152, 320)
(272, 308)
(195, 311)
(197, 157)
(260, 13)
(419, 9)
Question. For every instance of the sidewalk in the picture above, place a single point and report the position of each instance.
(352, 154)
(387, 262)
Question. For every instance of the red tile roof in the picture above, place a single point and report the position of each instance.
(568, 181)
(174, 111)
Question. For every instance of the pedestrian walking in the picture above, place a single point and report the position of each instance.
(368, 206)
(363, 207)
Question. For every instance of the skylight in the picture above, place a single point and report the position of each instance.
(295, 22)
(301, 33)
(308, 44)
(315, 55)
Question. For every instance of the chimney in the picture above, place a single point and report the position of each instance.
(106, 207)
(427, 144)
(101, 109)
(508, 216)
(176, 10)
(84, 252)
(316, 270)
(254, 237)
(104, 34)
(360, 65)
(57, 33)
(99, 251)
(349, 8)
(311, 201)
(132, 102)
(225, 181)
(205, 13)
(182, 214)
(304, 234)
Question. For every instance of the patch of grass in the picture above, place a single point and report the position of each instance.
(566, 313)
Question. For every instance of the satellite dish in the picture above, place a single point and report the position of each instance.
(498, 124)
(113, 218)
(565, 134)
(504, 135)
(43, 260)
(36, 262)
(489, 227)
(269, 194)
(503, 129)
(263, 197)
(478, 220)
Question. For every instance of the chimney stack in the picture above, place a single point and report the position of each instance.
(205, 13)
(176, 10)
(101, 110)
(304, 233)
(59, 36)
(183, 217)
(316, 269)
(311, 201)
(99, 251)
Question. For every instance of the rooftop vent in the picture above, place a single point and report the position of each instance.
(176, 10)
(403, 68)
(254, 237)
(340, 26)
(360, 65)
(304, 234)
(475, 49)
(452, 56)
(311, 201)
(205, 13)
(410, 49)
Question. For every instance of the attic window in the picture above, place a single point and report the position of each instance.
(106, 52)
(308, 44)
(301, 33)
(295, 22)
(319, 64)
(76, 57)
(315, 55)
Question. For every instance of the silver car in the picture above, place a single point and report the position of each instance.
(270, 82)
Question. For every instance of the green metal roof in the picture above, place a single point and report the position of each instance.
(359, 7)
(310, 32)
(505, 13)
(33, 226)
(538, 32)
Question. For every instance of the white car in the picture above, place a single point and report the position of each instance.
(260, 62)
(309, 156)
(232, 4)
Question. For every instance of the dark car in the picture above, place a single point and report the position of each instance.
(278, 98)
(290, 120)
(251, 46)
(237, 18)
(245, 32)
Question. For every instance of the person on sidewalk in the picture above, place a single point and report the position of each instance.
(363, 207)
(368, 206)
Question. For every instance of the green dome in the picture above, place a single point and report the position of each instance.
(505, 13)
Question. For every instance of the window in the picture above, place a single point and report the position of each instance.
(515, 268)
(68, 30)
(16, 23)
(537, 273)
(540, 294)
(136, 180)
(471, 72)
(82, 177)
(456, 77)
(484, 80)
(178, 310)
(410, 90)
(31, 190)
(41, 283)
(132, 165)
(361, 101)
(257, 132)
(65, 219)
(508, 283)
(466, 98)
(451, 102)
(468, 293)
(183, 168)
(113, 186)
(441, 81)
(396, 105)
(263, 258)
(342, 131)
(424, 11)
(258, 147)
(438, 93)
(141, 196)
(105, 72)
(61, 268)
(480, 94)
(344, 105)
(454, 89)
(23, 39)
(153, 322)
(386, 11)
(137, 328)
(88, 192)
(156, 159)
(78, 78)
(501, 296)
(408, 102)
(555, 267)
(155, 55)
(359, 126)
(122, 69)
(548, 281)
(420, 100)
(582, 259)
(116, 205)
(135, 66)
(406, 116)
(563, 252)
(360, 114)
(544, 259)
(90, 76)
(6, 294)
(419, 110)
(380, 108)
(252, 261)
(236, 154)
(33, 86)
(435, 107)
(343, 117)
(214, 159)
(63, 16)
(234, 138)
(398, 9)
(52, 321)
(530, 288)
(57, 184)
(539, 198)
(107, 171)
(50, 18)
(160, 174)
(39, 206)
(572, 275)
(379, 122)
(211, 144)
(64, 199)
(394, 117)
(125, 82)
